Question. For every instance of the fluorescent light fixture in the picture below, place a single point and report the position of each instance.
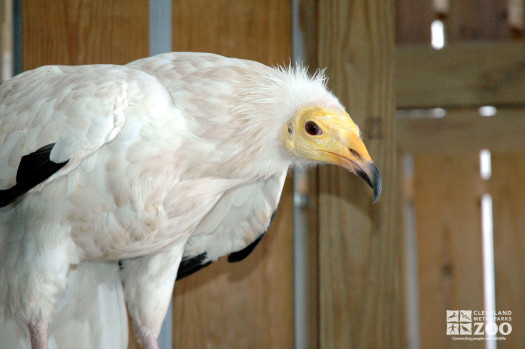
(485, 168)
(489, 278)
(438, 112)
(437, 31)
(487, 111)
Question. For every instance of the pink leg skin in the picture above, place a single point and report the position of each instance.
(147, 340)
(38, 333)
(150, 342)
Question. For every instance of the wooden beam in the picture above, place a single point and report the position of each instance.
(359, 269)
(467, 74)
(463, 131)
(3, 33)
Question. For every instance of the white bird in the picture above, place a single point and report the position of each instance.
(160, 166)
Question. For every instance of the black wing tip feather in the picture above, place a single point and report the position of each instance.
(34, 168)
(245, 252)
(192, 265)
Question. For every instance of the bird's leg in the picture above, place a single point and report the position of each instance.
(147, 340)
(38, 333)
(148, 284)
(150, 342)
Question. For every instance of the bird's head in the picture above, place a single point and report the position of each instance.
(330, 136)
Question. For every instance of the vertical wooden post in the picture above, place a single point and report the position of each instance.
(360, 300)
(508, 193)
(3, 20)
(5, 39)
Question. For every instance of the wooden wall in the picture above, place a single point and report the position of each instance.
(449, 234)
(508, 195)
(467, 20)
(360, 295)
(467, 73)
(83, 32)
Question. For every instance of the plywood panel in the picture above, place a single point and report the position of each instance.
(413, 19)
(83, 32)
(508, 198)
(463, 131)
(258, 30)
(460, 75)
(248, 304)
(360, 299)
(471, 20)
(448, 222)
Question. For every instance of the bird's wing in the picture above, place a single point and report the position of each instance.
(55, 116)
(89, 313)
(235, 225)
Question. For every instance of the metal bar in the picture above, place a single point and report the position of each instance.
(301, 263)
(160, 41)
(160, 26)
(489, 278)
(411, 257)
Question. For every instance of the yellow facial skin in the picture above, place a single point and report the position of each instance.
(330, 136)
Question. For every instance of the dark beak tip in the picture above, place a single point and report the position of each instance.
(377, 192)
(377, 184)
(373, 178)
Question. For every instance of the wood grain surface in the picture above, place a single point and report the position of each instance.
(463, 131)
(460, 75)
(508, 199)
(84, 32)
(448, 222)
(359, 272)
(260, 30)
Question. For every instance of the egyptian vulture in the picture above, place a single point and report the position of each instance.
(117, 180)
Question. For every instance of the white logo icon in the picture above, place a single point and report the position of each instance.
(465, 328)
(493, 325)
(452, 315)
(465, 316)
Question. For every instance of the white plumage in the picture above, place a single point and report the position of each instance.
(177, 157)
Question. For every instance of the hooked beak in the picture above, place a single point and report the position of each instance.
(370, 173)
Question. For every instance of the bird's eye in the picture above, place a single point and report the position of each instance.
(312, 129)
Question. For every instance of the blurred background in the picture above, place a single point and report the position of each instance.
(438, 88)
